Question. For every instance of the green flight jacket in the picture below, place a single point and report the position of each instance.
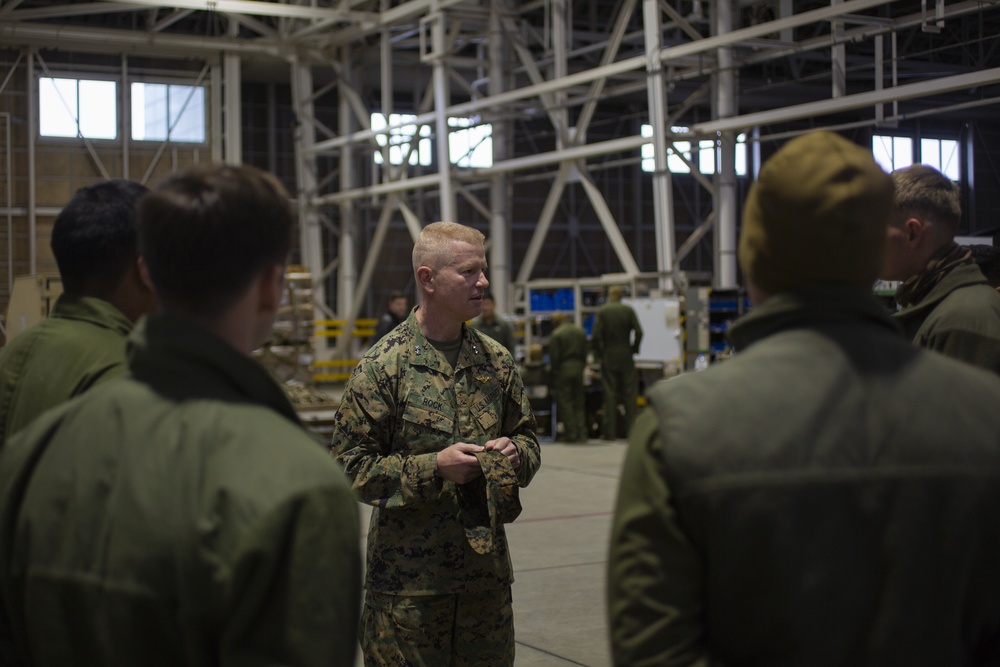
(616, 334)
(402, 405)
(80, 344)
(829, 496)
(959, 317)
(179, 516)
(568, 351)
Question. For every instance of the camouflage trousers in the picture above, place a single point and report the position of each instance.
(455, 630)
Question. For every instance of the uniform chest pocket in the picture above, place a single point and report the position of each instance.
(488, 419)
(425, 429)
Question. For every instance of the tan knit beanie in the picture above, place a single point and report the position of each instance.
(817, 215)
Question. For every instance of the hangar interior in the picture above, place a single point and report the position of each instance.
(593, 141)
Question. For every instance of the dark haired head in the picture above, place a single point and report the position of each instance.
(94, 237)
(208, 231)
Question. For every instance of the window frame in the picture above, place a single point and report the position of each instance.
(52, 138)
(697, 154)
(169, 82)
(917, 148)
(457, 126)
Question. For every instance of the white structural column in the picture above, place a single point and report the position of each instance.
(663, 202)
(560, 68)
(347, 269)
(838, 56)
(500, 228)
(125, 118)
(32, 133)
(232, 108)
(215, 122)
(310, 233)
(442, 100)
(725, 186)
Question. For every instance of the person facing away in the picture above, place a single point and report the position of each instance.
(493, 325)
(830, 495)
(426, 413)
(945, 303)
(398, 307)
(987, 258)
(616, 337)
(568, 357)
(182, 515)
(82, 342)
(534, 372)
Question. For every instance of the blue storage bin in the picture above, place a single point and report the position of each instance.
(564, 299)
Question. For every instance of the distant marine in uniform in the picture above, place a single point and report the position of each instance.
(616, 337)
(568, 358)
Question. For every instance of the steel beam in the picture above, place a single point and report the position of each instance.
(257, 8)
(310, 230)
(232, 108)
(542, 228)
(849, 102)
(656, 93)
(442, 98)
(608, 223)
(725, 188)
(500, 191)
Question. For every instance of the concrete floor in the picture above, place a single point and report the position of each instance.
(559, 550)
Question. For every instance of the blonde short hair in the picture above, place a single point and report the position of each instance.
(432, 248)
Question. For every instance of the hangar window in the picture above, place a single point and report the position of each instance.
(943, 155)
(400, 140)
(897, 152)
(167, 112)
(470, 144)
(70, 107)
(704, 155)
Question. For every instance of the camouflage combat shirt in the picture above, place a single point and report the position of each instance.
(403, 404)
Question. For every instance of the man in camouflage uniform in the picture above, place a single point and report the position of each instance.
(616, 337)
(568, 356)
(419, 407)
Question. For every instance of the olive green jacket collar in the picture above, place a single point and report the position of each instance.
(965, 275)
(182, 360)
(91, 310)
(812, 308)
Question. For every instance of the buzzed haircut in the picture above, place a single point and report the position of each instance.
(926, 193)
(94, 237)
(988, 259)
(432, 246)
(210, 230)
